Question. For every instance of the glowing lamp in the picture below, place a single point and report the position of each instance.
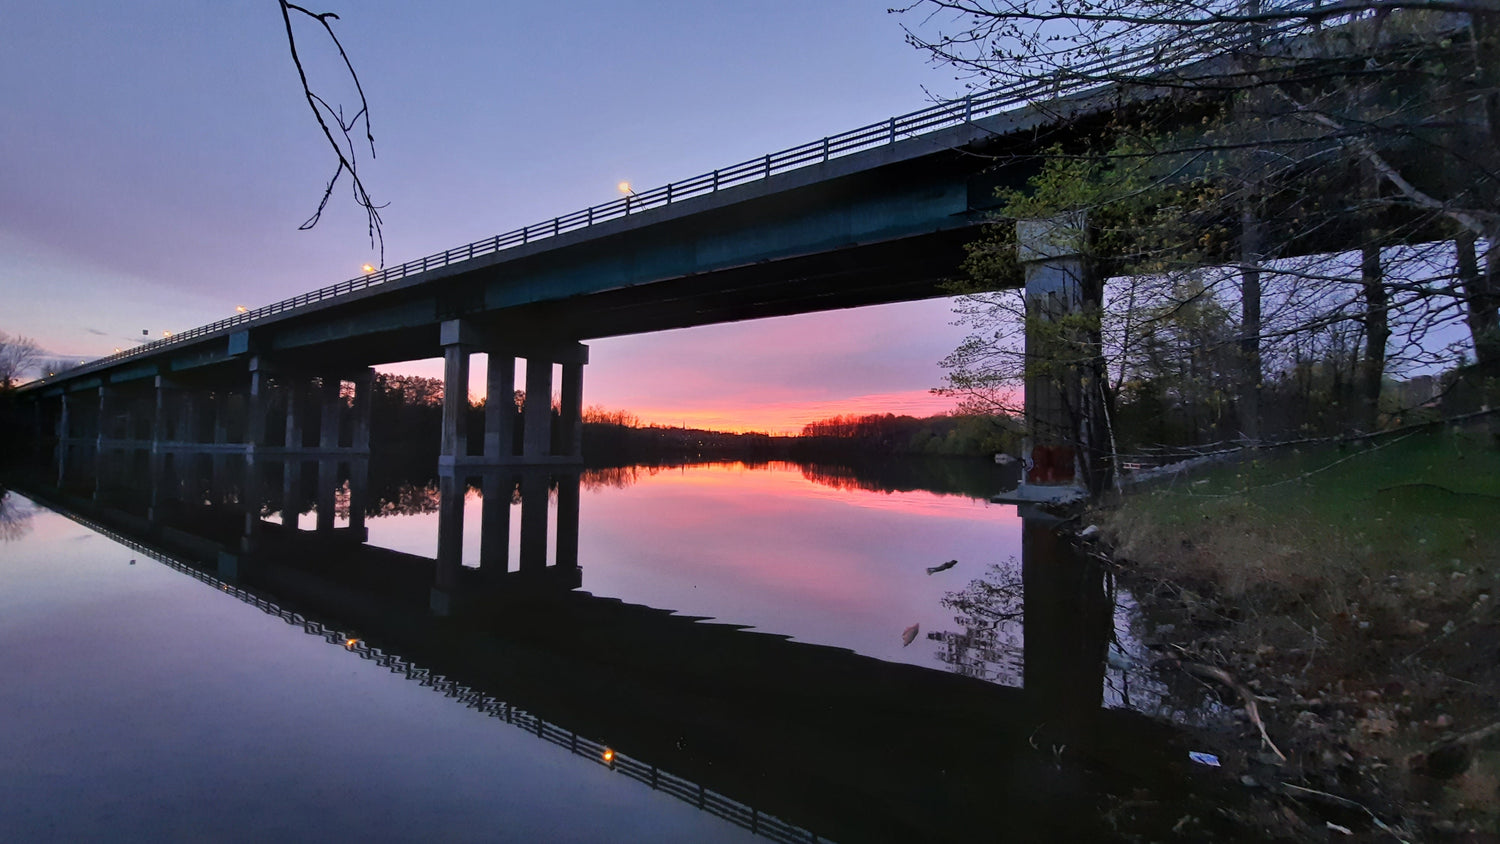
(609, 756)
(368, 268)
(625, 188)
(350, 643)
(239, 309)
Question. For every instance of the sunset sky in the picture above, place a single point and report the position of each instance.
(159, 158)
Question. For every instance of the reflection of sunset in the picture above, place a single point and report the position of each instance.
(767, 546)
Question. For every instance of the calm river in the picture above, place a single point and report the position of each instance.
(197, 650)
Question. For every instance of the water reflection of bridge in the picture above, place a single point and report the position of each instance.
(778, 736)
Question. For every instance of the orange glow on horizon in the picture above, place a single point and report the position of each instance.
(788, 417)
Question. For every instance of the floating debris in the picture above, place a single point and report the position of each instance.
(909, 634)
(1204, 758)
(942, 567)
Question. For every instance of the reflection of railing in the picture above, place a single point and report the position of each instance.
(1141, 62)
(707, 800)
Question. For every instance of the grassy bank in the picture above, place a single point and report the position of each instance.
(1351, 587)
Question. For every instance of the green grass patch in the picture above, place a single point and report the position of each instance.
(1428, 500)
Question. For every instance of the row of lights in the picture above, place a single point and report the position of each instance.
(369, 269)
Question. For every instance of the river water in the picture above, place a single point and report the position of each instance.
(200, 648)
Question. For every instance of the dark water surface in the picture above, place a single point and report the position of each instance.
(196, 648)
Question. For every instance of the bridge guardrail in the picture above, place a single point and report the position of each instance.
(1144, 62)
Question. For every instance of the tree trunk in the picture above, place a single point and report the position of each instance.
(1377, 334)
(1251, 236)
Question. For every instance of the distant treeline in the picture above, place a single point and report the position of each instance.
(941, 435)
(407, 417)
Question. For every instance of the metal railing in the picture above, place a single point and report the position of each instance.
(1142, 62)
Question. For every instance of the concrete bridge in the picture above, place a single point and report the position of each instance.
(875, 215)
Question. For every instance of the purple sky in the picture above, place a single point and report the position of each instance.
(158, 159)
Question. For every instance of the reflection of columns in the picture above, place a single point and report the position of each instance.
(538, 426)
(458, 342)
(63, 429)
(328, 436)
(359, 492)
(250, 501)
(327, 487)
(494, 536)
(1068, 624)
(158, 472)
(364, 388)
(500, 408)
(450, 540)
(295, 407)
(291, 492)
(572, 410)
(567, 520)
(533, 517)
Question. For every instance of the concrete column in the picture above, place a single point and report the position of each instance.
(296, 406)
(159, 418)
(533, 521)
(221, 416)
(328, 436)
(458, 340)
(494, 536)
(101, 424)
(255, 406)
(500, 408)
(364, 392)
(1051, 251)
(567, 520)
(189, 418)
(572, 410)
(537, 444)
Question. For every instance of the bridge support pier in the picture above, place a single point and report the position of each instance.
(333, 405)
(1055, 454)
(540, 443)
(500, 409)
(459, 340)
(537, 445)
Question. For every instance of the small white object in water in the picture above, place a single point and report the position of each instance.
(1204, 758)
(909, 634)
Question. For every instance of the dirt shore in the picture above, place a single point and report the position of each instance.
(1360, 702)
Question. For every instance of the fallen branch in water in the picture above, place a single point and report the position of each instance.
(1245, 694)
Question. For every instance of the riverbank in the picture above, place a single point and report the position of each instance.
(1350, 594)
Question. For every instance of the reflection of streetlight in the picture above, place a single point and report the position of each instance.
(166, 334)
(368, 268)
(626, 189)
(239, 309)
